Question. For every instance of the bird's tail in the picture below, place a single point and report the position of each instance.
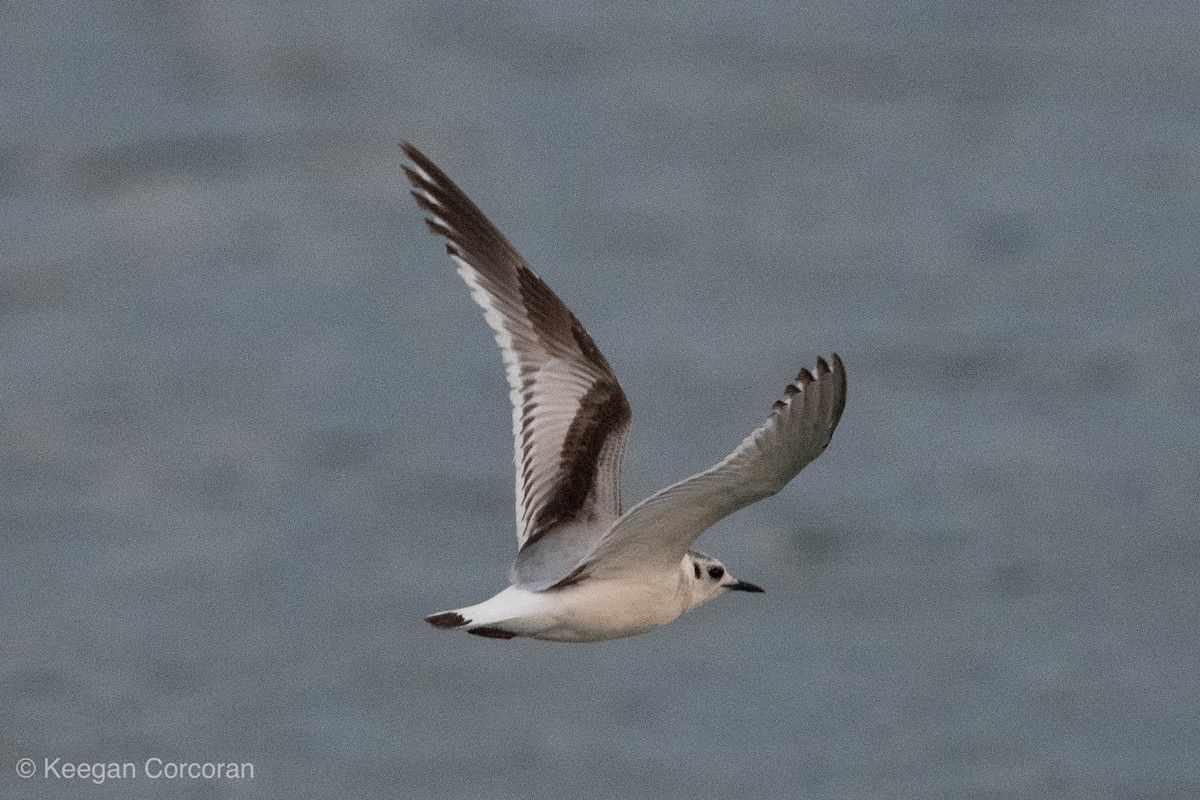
(449, 620)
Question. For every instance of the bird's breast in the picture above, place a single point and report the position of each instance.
(595, 610)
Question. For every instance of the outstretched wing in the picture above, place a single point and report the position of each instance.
(657, 532)
(570, 415)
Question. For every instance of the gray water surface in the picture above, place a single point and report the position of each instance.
(252, 429)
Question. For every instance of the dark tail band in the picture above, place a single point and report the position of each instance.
(447, 620)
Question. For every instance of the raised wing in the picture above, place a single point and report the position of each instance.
(570, 415)
(656, 533)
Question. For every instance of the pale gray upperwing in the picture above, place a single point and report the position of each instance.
(656, 533)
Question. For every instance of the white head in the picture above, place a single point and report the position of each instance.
(709, 578)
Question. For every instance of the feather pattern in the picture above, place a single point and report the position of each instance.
(569, 413)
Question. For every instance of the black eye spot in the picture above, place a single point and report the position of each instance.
(697, 566)
(716, 572)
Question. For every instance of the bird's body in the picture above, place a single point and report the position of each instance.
(586, 570)
(589, 611)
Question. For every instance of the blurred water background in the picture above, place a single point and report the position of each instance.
(253, 429)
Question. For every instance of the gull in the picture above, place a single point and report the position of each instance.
(586, 570)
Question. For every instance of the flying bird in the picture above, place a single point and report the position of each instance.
(586, 570)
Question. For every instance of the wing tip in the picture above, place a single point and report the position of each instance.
(414, 154)
(805, 377)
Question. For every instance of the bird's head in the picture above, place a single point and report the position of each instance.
(708, 578)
